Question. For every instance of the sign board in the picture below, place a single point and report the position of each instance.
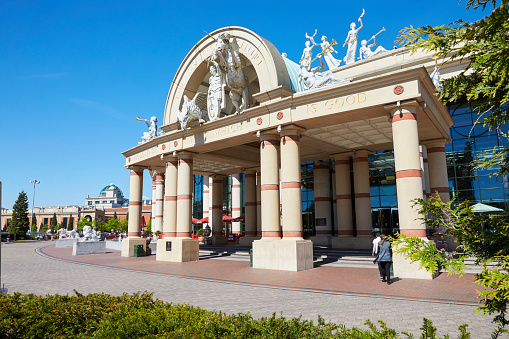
(168, 246)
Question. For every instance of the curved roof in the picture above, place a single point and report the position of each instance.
(111, 186)
(293, 71)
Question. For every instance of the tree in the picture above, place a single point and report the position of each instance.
(82, 222)
(19, 222)
(70, 224)
(98, 224)
(34, 224)
(125, 223)
(113, 223)
(53, 223)
(484, 83)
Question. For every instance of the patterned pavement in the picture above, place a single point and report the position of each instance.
(338, 294)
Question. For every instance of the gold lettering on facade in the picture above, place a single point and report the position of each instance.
(311, 108)
(363, 95)
(339, 102)
(352, 99)
(223, 131)
(329, 104)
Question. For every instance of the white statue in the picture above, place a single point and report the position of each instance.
(307, 77)
(227, 56)
(89, 234)
(351, 40)
(152, 130)
(435, 77)
(366, 52)
(192, 110)
(327, 50)
(307, 53)
(216, 94)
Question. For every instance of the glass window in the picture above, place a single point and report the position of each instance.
(492, 195)
(375, 201)
(90, 202)
(388, 201)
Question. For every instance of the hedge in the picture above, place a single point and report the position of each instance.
(140, 316)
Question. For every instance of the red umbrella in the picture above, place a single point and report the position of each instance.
(204, 220)
(196, 221)
(241, 218)
(227, 218)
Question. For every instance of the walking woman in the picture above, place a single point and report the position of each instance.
(385, 259)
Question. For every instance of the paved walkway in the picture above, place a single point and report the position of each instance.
(342, 295)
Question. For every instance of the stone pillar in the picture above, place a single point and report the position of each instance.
(153, 209)
(183, 248)
(363, 225)
(334, 204)
(437, 169)
(216, 217)
(236, 201)
(344, 238)
(135, 208)
(205, 202)
(323, 220)
(250, 208)
(157, 217)
(258, 204)
(408, 183)
(170, 208)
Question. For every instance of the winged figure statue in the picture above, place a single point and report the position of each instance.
(192, 110)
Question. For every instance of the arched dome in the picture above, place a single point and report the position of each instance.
(111, 186)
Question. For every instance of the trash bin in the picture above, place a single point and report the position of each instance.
(251, 257)
(138, 251)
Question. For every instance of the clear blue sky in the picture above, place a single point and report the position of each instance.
(74, 75)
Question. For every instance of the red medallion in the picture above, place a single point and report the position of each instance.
(163, 146)
(279, 115)
(175, 143)
(259, 121)
(399, 89)
(129, 159)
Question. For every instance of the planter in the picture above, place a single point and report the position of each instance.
(201, 239)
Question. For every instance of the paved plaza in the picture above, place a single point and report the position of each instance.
(339, 294)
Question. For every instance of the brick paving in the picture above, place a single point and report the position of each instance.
(341, 295)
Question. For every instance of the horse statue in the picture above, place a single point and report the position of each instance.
(228, 57)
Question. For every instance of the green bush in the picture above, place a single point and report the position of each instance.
(139, 316)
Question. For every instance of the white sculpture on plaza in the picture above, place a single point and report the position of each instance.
(227, 56)
(309, 80)
(65, 234)
(351, 41)
(192, 110)
(152, 130)
(89, 234)
(366, 52)
(327, 50)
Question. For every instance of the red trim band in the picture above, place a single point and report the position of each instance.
(322, 199)
(184, 197)
(133, 234)
(403, 116)
(321, 167)
(414, 233)
(290, 184)
(269, 187)
(436, 150)
(270, 143)
(360, 159)
(183, 234)
(134, 203)
(295, 138)
(170, 198)
(292, 234)
(362, 195)
(343, 196)
(411, 173)
(271, 234)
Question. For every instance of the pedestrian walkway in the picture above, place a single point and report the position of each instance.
(339, 294)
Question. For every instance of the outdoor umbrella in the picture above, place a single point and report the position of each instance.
(482, 208)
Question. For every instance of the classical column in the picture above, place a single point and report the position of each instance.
(154, 198)
(437, 169)
(157, 217)
(362, 199)
(424, 171)
(269, 163)
(334, 204)
(184, 195)
(205, 202)
(236, 201)
(250, 208)
(407, 165)
(344, 196)
(135, 208)
(216, 217)
(323, 220)
(170, 208)
(258, 204)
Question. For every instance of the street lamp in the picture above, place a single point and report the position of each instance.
(33, 200)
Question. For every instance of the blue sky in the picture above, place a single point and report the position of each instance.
(75, 75)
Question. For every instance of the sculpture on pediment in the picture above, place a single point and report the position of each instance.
(308, 78)
(327, 50)
(435, 77)
(305, 60)
(192, 110)
(227, 56)
(216, 93)
(366, 51)
(152, 130)
(351, 41)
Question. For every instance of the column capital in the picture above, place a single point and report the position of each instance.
(185, 155)
(136, 168)
(410, 105)
(291, 130)
(435, 143)
(361, 153)
(342, 156)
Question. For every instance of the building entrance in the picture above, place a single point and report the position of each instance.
(308, 224)
(385, 220)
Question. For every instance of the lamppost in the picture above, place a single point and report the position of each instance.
(33, 200)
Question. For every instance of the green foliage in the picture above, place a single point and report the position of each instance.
(113, 223)
(82, 222)
(123, 226)
(53, 223)
(44, 228)
(33, 227)
(70, 223)
(200, 232)
(139, 316)
(99, 224)
(19, 224)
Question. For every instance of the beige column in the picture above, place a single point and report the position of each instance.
(409, 187)
(362, 196)
(291, 253)
(258, 204)
(323, 220)
(153, 210)
(424, 171)
(205, 203)
(250, 208)
(216, 217)
(344, 195)
(135, 206)
(157, 217)
(236, 201)
(170, 209)
(269, 163)
(334, 204)
(437, 169)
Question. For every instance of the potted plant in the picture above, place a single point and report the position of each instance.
(157, 234)
(201, 235)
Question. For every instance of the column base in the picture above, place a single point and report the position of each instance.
(128, 245)
(321, 240)
(283, 254)
(177, 249)
(404, 268)
(361, 242)
(218, 240)
(248, 240)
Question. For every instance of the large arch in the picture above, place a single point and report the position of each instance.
(263, 57)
